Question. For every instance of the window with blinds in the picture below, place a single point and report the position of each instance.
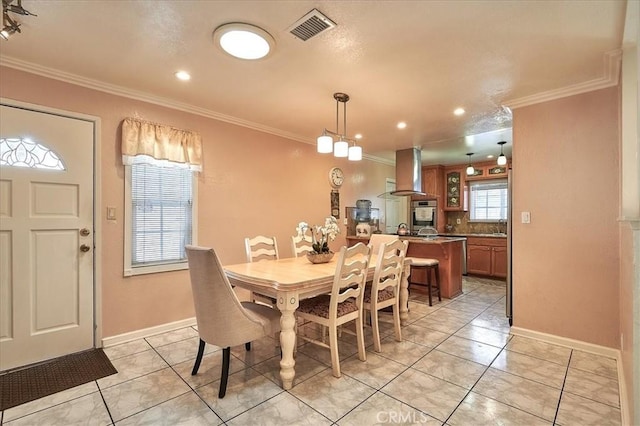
(160, 216)
(488, 200)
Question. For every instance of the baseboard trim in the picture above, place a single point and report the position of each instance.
(586, 347)
(146, 332)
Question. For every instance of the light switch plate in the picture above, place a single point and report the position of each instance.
(526, 217)
(111, 213)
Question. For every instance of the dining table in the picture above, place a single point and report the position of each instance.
(293, 279)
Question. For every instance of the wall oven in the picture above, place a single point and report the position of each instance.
(423, 214)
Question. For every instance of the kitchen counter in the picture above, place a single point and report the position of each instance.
(494, 235)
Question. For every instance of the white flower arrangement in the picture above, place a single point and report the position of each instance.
(320, 235)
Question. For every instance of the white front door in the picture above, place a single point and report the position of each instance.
(46, 236)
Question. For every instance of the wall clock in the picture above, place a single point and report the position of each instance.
(336, 177)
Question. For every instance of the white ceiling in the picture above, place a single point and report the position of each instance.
(398, 60)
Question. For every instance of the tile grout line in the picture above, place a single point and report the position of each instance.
(104, 401)
(566, 374)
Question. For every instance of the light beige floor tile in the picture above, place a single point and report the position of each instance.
(451, 368)
(136, 395)
(376, 371)
(434, 322)
(185, 410)
(535, 369)
(261, 350)
(404, 352)
(526, 395)
(381, 409)
(331, 396)
(469, 308)
(575, 410)
(124, 349)
(345, 350)
(49, 401)
(305, 367)
(245, 390)
(428, 394)
(209, 371)
(132, 366)
(283, 409)
(492, 321)
(172, 337)
(86, 410)
(183, 350)
(418, 310)
(538, 349)
(423, 335)
(594, 364)
(448, 313)
(469, 349)
(593, 386)
(478, 410)
(484, 335)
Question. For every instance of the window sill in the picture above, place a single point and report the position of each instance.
(154, 269)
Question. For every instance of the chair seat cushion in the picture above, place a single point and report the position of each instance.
(319, 306)
(383, 295)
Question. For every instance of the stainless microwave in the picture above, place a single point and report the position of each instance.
(423, 214)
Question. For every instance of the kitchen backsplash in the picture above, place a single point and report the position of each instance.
(466, 227)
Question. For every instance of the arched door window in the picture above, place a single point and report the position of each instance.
(26, 153)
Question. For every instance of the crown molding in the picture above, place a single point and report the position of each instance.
(612, 64)
(156, 100)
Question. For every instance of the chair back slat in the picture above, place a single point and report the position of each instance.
(350, 277)
(390, 262)
(301, 244)
(261, 248)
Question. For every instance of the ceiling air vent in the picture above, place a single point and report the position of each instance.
(311, 24)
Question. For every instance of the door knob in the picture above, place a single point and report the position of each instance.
(85, 232)
(84, 248)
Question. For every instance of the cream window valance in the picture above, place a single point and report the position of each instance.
(161, 143)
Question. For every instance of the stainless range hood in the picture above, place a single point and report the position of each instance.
(408, 172)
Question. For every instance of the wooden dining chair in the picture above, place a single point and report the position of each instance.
(378, 239)
(261, 248)
(222, 319)
(301, 244)
(343, 304)
(384, 290)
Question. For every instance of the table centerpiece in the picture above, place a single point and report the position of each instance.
(320, 237)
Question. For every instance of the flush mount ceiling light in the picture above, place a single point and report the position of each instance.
(459, 111)
(340, 148)
(470, 169)
(243, 41)
(502, 159)
(183, 75)
(9, 25)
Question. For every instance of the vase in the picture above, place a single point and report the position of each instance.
(320, 257)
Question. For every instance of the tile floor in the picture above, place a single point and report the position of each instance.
(457, 365)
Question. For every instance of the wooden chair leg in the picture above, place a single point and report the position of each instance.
(438, 281)
(396, 322)
(376, 330)
(333, 347)
(362, 354)
(224, 375)
(196, 366)
(428, 270)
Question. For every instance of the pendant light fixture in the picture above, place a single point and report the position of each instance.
(341, 147)
(470, 169)
(502, 159)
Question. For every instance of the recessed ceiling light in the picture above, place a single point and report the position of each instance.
(358, 136)
(458, 111)
(243, 41)
(401, 125)
(490, 156)
(183, 75)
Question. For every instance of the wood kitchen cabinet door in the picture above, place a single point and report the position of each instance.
(432, 182)
(499, 262)
(478, 260)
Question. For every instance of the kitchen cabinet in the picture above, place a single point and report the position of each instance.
(487, 256)
(454, 190)
(432, 182)
(488, 170)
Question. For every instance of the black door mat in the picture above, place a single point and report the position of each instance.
(30, 383)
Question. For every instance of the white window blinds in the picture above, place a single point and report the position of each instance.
(161, 213)
(488, 200)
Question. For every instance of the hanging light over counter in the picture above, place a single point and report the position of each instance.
(470, 169)
(341, 148)
(502, 159)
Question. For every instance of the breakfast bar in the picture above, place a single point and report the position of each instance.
(447, 250)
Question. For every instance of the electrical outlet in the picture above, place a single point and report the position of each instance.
(458, 221)
(526, 217)
(345, 221)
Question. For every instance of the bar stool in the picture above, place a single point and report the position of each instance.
(427, 265)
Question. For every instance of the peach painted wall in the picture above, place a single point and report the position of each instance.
(566, 271)
(253, 183)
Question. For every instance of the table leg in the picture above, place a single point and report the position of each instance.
(404, 294)
(287, 303)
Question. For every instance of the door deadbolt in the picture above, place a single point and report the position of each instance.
(84, 248)
(85, 232)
